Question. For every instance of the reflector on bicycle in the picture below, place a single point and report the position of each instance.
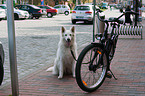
(84, 83)
(99, 52)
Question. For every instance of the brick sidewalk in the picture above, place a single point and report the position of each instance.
(128, 66)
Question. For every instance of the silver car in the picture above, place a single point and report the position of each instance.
(84, 13)
(18, 14)
(63, 9)
(2, 14)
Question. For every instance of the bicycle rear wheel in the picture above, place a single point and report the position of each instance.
(112, 51)
(91, 67)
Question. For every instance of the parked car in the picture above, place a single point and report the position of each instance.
(104, 5)
(119, 6)
(49, 10)
(1, 63)
(33, 10)
(2, 14)
(44, 13)
(63, 9)
(18, 14)
(84, 13)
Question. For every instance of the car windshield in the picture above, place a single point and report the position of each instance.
(50, 7)
(82, 8)
(57, 6)
(35, 7)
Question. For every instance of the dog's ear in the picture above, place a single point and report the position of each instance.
(62, 29)
(73, 29)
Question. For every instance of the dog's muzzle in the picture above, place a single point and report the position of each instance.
(68, 42)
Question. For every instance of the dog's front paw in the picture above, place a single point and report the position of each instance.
(59, 77)
(74, 75)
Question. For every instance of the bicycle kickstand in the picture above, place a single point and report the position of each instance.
(113, 75)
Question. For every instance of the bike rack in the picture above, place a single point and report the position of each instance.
(129, 30)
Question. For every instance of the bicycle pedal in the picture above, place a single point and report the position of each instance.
(109, 75)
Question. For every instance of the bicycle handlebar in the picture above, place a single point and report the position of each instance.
(116, 19)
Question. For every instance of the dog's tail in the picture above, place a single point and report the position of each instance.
(50, 69)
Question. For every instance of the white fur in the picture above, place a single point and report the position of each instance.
(64, 62)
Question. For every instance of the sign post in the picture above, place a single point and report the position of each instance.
(12, 48)
(136, 10)
(94, 20)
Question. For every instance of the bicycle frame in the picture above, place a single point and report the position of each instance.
(108, 42)
(105, 42)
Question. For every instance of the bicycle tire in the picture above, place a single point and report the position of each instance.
(80, 69)
(1, 71)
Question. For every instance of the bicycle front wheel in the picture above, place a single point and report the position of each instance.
(91, 67)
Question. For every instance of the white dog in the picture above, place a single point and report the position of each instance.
(64, 62)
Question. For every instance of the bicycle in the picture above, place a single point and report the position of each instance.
(94, 61)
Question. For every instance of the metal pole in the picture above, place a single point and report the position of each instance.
(94, 21)
(136, 10)
(12, 48)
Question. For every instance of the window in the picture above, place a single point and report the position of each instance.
(64, 7)
(24, 7)
(35, 7)
(40, 6)
(82, 8)
(46, 7)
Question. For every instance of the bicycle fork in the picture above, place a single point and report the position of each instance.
(94, 67)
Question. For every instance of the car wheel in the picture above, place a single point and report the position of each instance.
(49, 15)
(73, 22)
(0, 19)
(31, 16)
(66, 13)
(16, 16)
(37, 17)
